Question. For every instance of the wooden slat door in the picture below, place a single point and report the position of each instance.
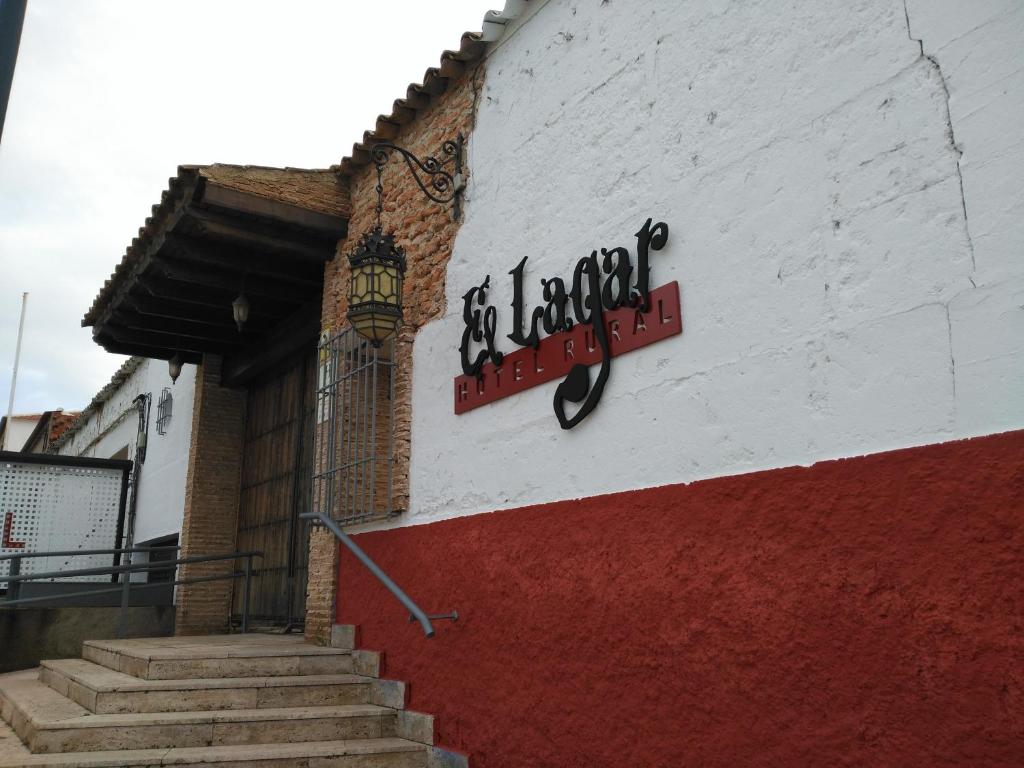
(275, 489)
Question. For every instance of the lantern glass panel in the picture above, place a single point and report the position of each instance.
(387, 286)
(375, 293)
(361, 279)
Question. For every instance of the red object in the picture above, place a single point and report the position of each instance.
(8, 542)
(862, 612)
(627, 329)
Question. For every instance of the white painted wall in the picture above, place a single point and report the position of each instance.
(162, 487)
(17, 431)
(837, 300)
(113, 426)
(161, 501)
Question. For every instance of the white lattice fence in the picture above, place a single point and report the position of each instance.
(57, 504)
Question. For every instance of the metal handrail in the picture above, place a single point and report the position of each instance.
(111, 590)
(415, 611)
(130, 568)
(15, 577)
(70, 552)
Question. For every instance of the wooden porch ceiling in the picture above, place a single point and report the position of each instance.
(266, 233)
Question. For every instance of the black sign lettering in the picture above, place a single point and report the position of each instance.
(589, 297)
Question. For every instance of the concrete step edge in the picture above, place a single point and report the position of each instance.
(178, 653)
(254, 754)
(268, 715)
(202, 666)
(103, 691)
(103, 679)
(24, 699)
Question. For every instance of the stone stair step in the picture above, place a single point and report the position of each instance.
(24, 699)
(104, 691)
(351, 753)
(250, 655)
(48, 723)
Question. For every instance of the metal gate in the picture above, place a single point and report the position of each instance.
(275, 489)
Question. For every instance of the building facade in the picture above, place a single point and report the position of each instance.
(109, 428)
(14, 432)
(705, 415)
(49, 428)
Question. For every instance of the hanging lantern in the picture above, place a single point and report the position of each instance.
(174, 367)
(375, 293)
(240, 310)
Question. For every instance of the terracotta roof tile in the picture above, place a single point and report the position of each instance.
(81, 419)
(60, 421)
(472, 47)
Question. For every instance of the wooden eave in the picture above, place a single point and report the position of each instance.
(215, 235)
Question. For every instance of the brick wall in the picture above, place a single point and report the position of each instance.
(211, 499)
(426, 231)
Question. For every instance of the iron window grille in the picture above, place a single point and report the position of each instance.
(354, 437)
(164, 407)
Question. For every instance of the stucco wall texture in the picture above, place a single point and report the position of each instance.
(770, 544)
(842, 185)
(858, 612)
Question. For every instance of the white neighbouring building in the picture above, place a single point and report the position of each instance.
(16, 430)
(109, 429)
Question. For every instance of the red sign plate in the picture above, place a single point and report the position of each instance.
(627, 329)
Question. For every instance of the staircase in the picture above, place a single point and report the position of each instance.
(268, 701)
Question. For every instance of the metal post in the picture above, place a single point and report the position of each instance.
(245, 595)
(14, 375)
(126, 586)
(13, 588)
(12, 19)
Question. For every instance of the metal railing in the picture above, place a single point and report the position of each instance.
(15, 577)
(416, 613)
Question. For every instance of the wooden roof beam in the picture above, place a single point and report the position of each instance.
(146, 350)
(257, 234)
(155, 286)
(152, 306)
(300, 272)
(162, 340)
(185, 272)
(183, 328)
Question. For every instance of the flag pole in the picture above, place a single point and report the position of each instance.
(14, 376)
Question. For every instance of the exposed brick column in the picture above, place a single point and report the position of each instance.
(212, 486)
(323, 570)
(427, 232)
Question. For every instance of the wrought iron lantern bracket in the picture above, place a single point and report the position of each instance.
(440, 180)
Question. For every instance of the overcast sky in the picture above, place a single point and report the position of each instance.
(110, 96)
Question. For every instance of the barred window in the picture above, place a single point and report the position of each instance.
(163, 411)
(354, 439)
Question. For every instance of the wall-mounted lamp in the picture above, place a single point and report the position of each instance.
(377, 264)
(240, 310)
(375, 293)
(174, 367)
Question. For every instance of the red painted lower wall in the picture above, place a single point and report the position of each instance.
(863, 612)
